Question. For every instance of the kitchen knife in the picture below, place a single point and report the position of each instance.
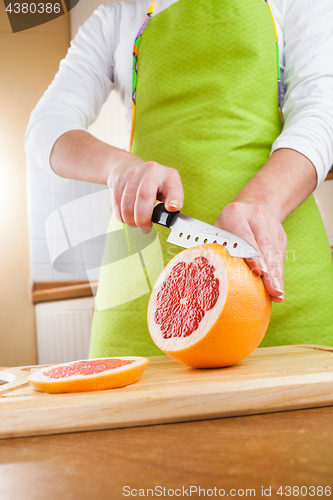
(188, 232)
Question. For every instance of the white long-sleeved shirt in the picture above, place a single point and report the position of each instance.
(100, 60)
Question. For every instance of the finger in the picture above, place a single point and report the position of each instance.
(274, 283)
(145, 202)
(128, 201)
(273, 280)
(116, 204)
(172, 191)
(280, 241)
(115, 184)
(275, 290)
(277, 299)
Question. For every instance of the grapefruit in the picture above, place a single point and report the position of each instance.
(208, 309)
(89, 375)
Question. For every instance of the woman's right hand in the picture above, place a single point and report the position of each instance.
(136, 185)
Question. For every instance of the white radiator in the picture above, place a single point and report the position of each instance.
(63, 330)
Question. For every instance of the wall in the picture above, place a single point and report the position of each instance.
(28, 62)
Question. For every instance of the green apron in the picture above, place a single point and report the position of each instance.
(207, 105)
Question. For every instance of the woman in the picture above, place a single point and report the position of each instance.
(206, 97)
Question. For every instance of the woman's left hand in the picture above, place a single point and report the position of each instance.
(262, 229)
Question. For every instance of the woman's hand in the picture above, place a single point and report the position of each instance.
(256, 214)
(263, 230)
(136, 185)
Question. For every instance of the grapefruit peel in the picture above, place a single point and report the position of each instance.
(89, 375)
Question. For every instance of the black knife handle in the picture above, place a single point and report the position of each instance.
(162, 216)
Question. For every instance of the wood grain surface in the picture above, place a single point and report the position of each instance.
(292, 448)
(271, 379)
(61, 290)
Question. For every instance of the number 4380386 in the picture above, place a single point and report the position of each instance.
(33, 8)
(305, 491)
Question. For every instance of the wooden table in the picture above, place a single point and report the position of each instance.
(292, 448)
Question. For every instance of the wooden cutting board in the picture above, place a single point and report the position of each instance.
(271, 379)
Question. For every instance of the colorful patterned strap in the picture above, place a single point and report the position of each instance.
(278, 62)
(135, 64)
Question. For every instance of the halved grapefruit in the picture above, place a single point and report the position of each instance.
(208, 309)
(89, 375)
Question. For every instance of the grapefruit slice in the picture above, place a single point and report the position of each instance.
(208, 309)
(89, 375)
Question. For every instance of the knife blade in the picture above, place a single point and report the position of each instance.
(188, 232)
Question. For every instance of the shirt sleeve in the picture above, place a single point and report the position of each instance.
(308, 82)
(79, 89)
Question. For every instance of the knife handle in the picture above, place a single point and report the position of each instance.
(162, 216)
